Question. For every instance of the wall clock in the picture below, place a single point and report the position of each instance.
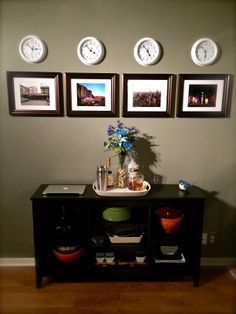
(204, 52)
(147, 51)
(32, 49)
(90, 50)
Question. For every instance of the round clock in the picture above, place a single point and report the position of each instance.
(204, 52)
(90, 51)
(147, 51)
(32, 49)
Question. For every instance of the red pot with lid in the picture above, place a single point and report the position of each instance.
(170, 218)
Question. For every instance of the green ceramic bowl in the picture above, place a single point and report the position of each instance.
(116, 214)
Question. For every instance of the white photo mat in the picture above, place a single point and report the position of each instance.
(34, 82)
(219, 96)
(107, 95)
(147, 86)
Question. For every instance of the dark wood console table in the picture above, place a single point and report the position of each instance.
(85, 216)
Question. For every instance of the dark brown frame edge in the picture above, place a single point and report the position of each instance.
(58, 89)
(171, 79)
(114, 94)
(225, 101)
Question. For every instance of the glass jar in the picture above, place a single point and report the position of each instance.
(135, 181)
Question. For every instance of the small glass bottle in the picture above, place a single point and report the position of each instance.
(110, 176)
(202, 98)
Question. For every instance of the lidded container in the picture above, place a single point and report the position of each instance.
(135, 178)
(116, 214)
(171, 218)
(132, 166)
(102, 178)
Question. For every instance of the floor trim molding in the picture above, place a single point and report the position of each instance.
(205, 261)
(21, 261)
(218, 261)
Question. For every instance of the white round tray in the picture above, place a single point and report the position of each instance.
(122, 192)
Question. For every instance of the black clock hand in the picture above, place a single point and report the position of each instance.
(29, 46)
(147, 50)
(205, 52)
(90, 49)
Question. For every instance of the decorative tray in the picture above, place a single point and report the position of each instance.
(122, 192)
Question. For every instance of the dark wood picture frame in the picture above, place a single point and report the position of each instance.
(148, 95)
(92, 94)
(35, 93)
(203, 95)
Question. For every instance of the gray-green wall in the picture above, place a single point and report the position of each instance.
(37, 150)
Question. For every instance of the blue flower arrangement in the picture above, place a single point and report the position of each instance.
(120, 140)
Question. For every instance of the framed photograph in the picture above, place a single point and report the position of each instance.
(203, 95)
(91, 94)
(148, 95)
(35, 93)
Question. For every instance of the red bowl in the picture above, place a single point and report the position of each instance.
(68, 258)
(170, 218)
(67, 249)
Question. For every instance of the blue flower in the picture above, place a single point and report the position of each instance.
(120, 125)
(120, 138)
(128, 146)
(122, 132)
(110, 130)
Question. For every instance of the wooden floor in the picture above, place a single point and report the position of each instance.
(215, 295)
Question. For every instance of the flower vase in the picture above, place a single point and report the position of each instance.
(121, 173)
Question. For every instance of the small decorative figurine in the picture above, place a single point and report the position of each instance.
(184, 185)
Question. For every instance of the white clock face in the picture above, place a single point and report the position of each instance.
(204, 52)
(32, 49)
(90, 51)
(147, 51)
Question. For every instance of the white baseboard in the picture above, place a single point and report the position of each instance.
(26, 261)
(218, 261)
(205, 261)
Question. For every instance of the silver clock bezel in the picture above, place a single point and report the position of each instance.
(194, 50)
(43, 54)
(81, 56)
(136, 51)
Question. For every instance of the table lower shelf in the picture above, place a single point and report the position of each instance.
(119, 272)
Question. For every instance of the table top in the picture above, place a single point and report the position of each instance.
(158, 191)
